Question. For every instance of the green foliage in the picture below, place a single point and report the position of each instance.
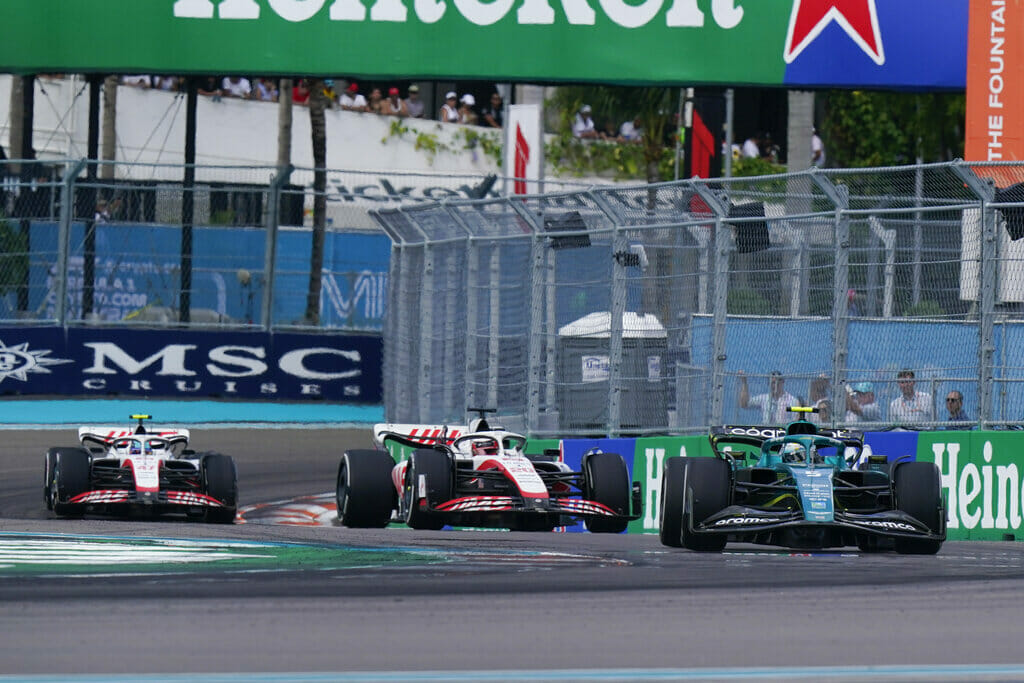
(747, 302)
(652, 159)
(13, 257)
(864, 129)
(467, 137)
(925, 309)
(745, 167)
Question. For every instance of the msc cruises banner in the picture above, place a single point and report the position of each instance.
(186, 364)
(805, 43)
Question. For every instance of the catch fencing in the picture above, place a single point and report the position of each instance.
(665, 308)
(206, 246)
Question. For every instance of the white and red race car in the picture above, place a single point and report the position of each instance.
(479, 476)
(139, 469)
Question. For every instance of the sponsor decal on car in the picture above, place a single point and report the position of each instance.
(740, 521)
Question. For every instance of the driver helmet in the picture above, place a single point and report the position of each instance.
(792, 452)
(135, 447)
(485, 448)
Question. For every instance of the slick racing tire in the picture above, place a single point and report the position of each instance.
(71, 476)
(606, 481)
(670, 513)
(705, 492)
(49, 467)
(364, 492)
(916, 488)
(220, 481)
(436, 469)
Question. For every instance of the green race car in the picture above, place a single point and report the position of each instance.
(800, 487)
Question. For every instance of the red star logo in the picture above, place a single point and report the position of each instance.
(857, 17)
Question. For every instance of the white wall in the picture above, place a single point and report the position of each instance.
(151, 129)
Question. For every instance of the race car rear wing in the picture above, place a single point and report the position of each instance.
(101, 437)
(755, 435)
(418, 435)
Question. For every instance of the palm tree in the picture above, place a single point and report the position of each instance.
(318, 130)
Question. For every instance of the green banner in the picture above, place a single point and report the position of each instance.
(648, 461)
(981, 481)
(655, 41)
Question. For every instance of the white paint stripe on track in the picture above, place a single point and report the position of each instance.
(839, 673)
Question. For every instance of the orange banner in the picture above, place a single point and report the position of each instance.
(995, 84)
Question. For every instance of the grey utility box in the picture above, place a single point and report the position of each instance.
(583, 373)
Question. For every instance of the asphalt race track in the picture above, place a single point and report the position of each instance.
(529, 606)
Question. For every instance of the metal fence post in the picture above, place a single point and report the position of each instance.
(270, 251)
(541, 273)
(839, 195)
(64, 238)
(988, 272)
(719, 298)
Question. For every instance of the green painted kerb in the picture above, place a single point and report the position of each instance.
(22, 554)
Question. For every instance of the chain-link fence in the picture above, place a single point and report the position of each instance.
(663, 308)
(150, 244)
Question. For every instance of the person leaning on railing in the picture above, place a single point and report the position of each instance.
(911, 406)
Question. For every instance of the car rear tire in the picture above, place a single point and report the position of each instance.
(364, 492)
(670, 513)
(705, 492)
(436, 469)
(918, 493)
(220, 481)
(606, 481)
(71, 477)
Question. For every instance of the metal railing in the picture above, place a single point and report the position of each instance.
(644, 309)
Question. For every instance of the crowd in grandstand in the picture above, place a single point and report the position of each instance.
(345, 96)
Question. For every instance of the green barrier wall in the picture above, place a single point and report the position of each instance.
(980, 480)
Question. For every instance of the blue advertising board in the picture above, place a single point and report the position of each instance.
(108, 362)
(138, 266)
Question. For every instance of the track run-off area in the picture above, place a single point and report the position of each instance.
(290, 596)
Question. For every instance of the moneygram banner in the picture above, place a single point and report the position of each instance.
(797, 43)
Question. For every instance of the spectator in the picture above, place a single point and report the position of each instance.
(817, 150)
(583, 127)
(266, 90)
(466, 113)
(352, 100)
(102, 211)
(449, 110)
(167, 83)
(860, 404)
(752, 147)
(300, 92)
(631, 131)
(820, 397)
(910, 406)
(609, 132)
(375, 102)
(393, 105)
(769, 150)
(236, 86)
(209, 87)
(774, 404)
(955, 406)
(137, 81)
(852, 308)
(413, 103)
(494, 112)
(330, 93)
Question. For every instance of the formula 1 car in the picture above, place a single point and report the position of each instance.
(803, 490)
(478, 476)
(139, 469)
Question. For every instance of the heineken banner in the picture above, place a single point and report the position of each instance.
(796, 43)
(981, 480)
